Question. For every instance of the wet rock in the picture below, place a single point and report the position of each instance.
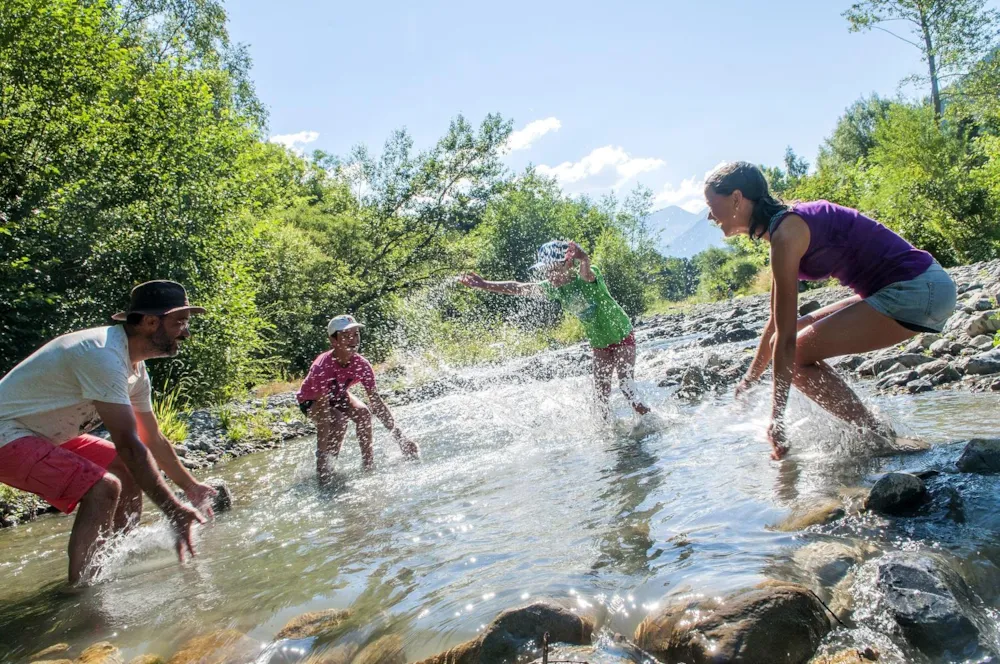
(931, 368)
(51, 650)
(919, 385)
(621, 652)
(896, 493)
(949, 375)
(147, 659)
(226, 646)
(333, 654)
(811, 515)
(850, 362)
(923, 597)
(53, 661)
(981, 456)
(513, 629)
(386, 650)
(732, 335)
(896, 379)
(851, 656)
(314, 623)
(828, 562)
(223, 500)
(983, 363)
(774, 623)
(101, 653)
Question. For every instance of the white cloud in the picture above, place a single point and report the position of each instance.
(522, 139)
(689, 195)
(608, 158)
(295, 142)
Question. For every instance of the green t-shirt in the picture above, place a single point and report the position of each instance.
(604, 321)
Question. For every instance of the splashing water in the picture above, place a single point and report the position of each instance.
(523, 493)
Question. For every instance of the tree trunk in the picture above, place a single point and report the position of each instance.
(931, 67)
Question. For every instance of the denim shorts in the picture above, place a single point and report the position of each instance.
(922, 304)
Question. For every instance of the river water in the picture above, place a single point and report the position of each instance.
(521, 494)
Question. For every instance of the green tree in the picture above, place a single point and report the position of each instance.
(951, 35)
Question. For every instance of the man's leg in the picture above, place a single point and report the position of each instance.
(129, 509)
(93, 521)
(66, 476)
(360, 414)
(331, 427)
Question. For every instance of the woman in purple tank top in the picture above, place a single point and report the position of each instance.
(899, 291)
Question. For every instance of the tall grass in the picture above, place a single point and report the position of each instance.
(169, 406)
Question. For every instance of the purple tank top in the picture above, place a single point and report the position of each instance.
(861, 253)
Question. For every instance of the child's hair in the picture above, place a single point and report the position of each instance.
(750, 181)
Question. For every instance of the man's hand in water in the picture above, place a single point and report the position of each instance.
(201, 496)
(776, 436)
(182, 520)
(472, 280)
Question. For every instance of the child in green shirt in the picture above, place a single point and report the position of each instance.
(584, 294)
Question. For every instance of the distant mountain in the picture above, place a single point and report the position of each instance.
(683, 234)
(701, 236)
(668, 224)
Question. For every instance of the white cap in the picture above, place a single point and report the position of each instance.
(342, 324)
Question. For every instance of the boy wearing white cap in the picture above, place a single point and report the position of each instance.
(579, 287)
(325, 398)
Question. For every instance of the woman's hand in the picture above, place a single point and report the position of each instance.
(776, 436)
(743, 387)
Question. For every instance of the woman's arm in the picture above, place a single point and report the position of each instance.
(788, 245)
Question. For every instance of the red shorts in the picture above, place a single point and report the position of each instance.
(60, 474)
(627, 341)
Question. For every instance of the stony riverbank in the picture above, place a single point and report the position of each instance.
(722, 334)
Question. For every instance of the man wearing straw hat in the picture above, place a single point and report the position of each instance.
(52, 400)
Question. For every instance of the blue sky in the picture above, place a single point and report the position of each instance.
(656, 93)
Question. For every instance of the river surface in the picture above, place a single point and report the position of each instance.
(521, 494)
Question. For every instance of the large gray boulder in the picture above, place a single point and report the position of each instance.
(896, 493)
(980, 455)
(929, 602)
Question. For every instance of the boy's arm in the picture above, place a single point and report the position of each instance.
(473, 280)
(576, 253)
(381, 411)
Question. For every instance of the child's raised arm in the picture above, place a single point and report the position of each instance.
(473, 280)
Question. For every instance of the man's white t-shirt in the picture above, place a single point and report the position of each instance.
(51, 394)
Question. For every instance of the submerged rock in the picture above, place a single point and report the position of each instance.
(314, 623)
(811, 515)
(774, 623)
(48, 652)
(851, 656)
(981, 455)
(147, 659)
(923, 597)
(226, 646)
(386, 650)
(896, 493)
(514, 629)
(101, 653)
